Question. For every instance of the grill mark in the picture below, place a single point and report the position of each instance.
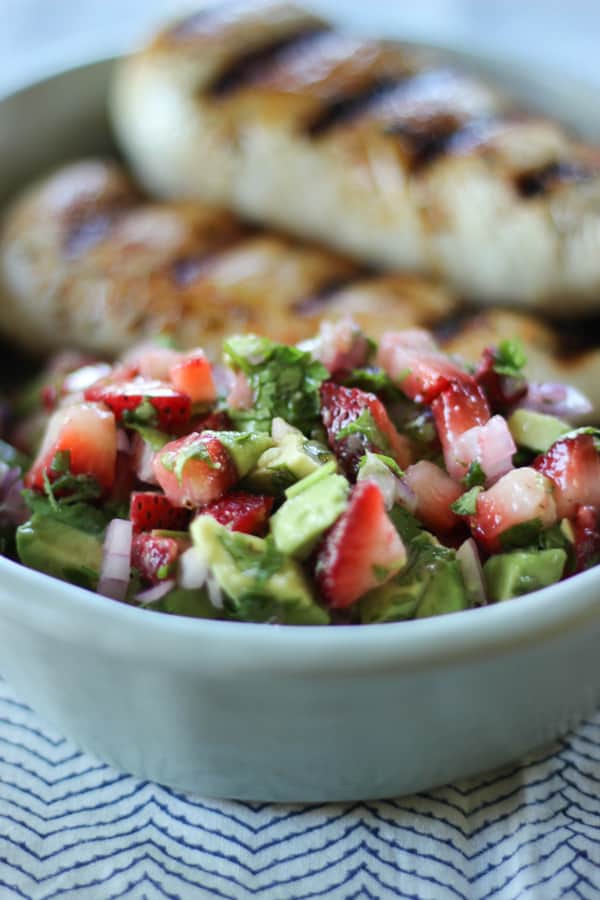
(427, 139)
(344, 108)
(541, 181)
(189, 267)
(250, 65)
(316, 302)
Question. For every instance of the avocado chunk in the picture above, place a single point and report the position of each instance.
(522, 571)
(298, 524)
(294, 457)
(536, 431)
(48, 545)
(192, 603)
(431, 584)
(244, 447)
(260, 583)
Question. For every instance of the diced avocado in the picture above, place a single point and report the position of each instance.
(522, 571)
(48, 545)
(309, 481)
(192, 603)
(431, 584)
(260, 583)
(299, 523)
(293, 458)
(245, 447)
(536, 431)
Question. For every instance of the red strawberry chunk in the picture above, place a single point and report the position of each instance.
(154, 557)
(88, 432)
(587, 538)
(193, 376)
(361, 551)
(194, 470)
(573, 465)
(150, 510)
(342, 406)
(522, 495)
(457, 409)
(502, 392)
(435, 492)
(172, 407)
(412, 361)
(242, 511)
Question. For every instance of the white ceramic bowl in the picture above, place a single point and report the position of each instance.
(267, 712)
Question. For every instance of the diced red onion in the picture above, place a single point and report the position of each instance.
(143, 457)
(241, 395)
(279, 429)
(340, 345)
(13, 509)
(472, 571)
(385, 480)
(559, 400)
(215, 595)
(156, 592)
(405, 495)
(497, 448)
(223, 378)
(123, 445)
(116, 562)
(193, 569)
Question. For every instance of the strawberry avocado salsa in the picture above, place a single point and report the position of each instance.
(332, 482)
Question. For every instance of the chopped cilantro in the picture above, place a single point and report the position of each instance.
(380, 572)
(373, 379)
(83, 516)
(144, 414)
(522, 535)
(260, 564)
(365, 424)
(407, 525)
(285, 382)
(68, 488)
(510, 358)
(466, 505)
(475, 476)
(155, 438)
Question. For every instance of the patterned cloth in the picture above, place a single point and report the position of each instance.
(71, 827)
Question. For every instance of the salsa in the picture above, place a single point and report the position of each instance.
(333, 482)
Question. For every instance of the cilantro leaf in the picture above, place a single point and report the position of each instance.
(466, 505)
(365, 425)
(374, 380)
(258, 565)
(144, 414)
(68, 488)
(522, 535)
(83, 516)
(285, 382)
(475, 476)
(386, 460)
(155, 438)
(510, 358)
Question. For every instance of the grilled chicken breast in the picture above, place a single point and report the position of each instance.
(382, 150)
(86, 262)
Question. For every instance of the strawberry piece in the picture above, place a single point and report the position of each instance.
(456, 409)
(89, 433)
(502, 392)
(587, 538)
(154, 557)
(193, 376)
(206, 470)
(413, 361)
(242, 511)
(172, 407)
(361, 551)
(435, 492)
(150, 510)
(340, 407)
(151, 360)
(573, 465)
(522, 495)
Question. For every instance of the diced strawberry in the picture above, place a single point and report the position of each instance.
(192, 375)
(154, 557)
(151, 360)
(89, 433)
(457, 409)
(587, 538)
(172, 407)
(242, 511)
(340, 407)
(573, 465)
(340, 346)
(522, 495)
(435, 492)
(502, 392)
(361, 551)
(149, 510)
(413, 361)
(207, 471)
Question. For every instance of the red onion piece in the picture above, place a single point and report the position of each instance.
(472, 572)
(559, 400)
(116, 563)
(193, 569)
(241, 395)
(405, 495)
(13, 510)
(143, 456)
(223, 378)
(497, 448)
(155, 593)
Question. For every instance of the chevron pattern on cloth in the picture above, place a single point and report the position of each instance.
(71, 827)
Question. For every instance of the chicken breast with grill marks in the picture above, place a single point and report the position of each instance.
(86, 262)
(391, 153)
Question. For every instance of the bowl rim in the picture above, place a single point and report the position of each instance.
(501, 627)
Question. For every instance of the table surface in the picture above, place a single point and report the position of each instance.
(71, 827)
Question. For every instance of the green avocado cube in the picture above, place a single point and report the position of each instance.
(522, 571)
